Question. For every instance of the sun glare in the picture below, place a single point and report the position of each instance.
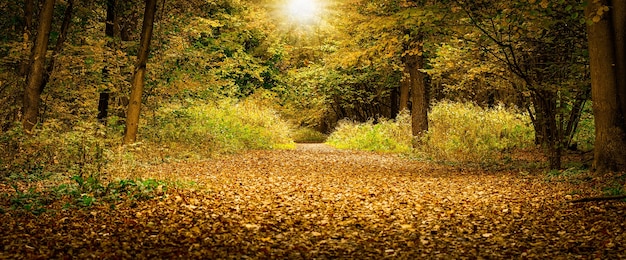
(303, 10)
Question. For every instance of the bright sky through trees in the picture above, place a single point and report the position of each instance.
(303, 11)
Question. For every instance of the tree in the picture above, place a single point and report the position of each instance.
(607, 52)
(134, 107)
(37, 69)
(29, 10)
(541, 44)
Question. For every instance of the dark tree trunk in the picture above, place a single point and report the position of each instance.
(29, 12)
(419, 95)
(547, 130)
(134, 107)
(608, 72)
(111, 29)
(405, 87)
(111, 32)
(394, 109)
(67, 20)
(36, 72)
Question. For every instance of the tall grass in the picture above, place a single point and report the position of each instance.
(457, 132)
(226, 126)
(466, 132)
(384, 136)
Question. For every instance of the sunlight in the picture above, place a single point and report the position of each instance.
(303, 11)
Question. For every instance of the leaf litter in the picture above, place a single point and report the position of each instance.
(329, 204)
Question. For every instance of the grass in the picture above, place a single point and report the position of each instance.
(308, 135)
(224, 127)
(459, 132)
(384, 136)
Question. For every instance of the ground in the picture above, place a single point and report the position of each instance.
(321, 203)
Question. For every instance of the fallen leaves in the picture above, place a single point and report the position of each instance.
(329, 204)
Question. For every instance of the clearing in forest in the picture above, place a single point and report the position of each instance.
(317, 202)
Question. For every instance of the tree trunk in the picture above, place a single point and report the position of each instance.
(111, 29)
(405, 87)
(606, 53)
(32, 92)
(67, 20)
(29, 12)
(111, 32)
(134, 107)
(419, 95)
(547, 129)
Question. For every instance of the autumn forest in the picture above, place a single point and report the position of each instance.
(315, 129)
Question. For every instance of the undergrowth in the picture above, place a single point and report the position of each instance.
(84, 192)
(383, 136)
(224, 127)
(74, 161)
(308, 135)
(458, 132)
(465, 132)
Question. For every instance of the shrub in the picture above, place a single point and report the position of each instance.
(223, 127)
(308, 135)
(465, 132)
(53, 149)
(458, 132)
(384, 136)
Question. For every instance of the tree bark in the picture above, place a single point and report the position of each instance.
(606, 46)
(134, 107)
(29, 12)
(405, 87)
(419, 96)
(35, 77)
(111, 32)
(65, 26)
(111, 29)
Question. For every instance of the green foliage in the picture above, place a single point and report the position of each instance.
(53, 149)
(614, 190)
(84, 193)
(30, 201)
(224, 127)
(459, 132)
(464, 132)
(384, 136)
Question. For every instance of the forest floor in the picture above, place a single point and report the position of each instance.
(319, 203)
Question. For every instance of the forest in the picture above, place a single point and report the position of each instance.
(315, 129)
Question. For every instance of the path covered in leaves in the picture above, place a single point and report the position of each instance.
(320, 203)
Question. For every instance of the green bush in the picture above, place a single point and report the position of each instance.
(458, 132)
(465, 132)
(384, 136)
(308, 135)
(223, 127)
(53, 148)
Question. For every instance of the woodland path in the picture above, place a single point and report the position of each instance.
(322, 203)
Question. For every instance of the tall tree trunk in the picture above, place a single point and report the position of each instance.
(419, 95)
(111, 29)
(111, 32)
(65, 26)
(134, 107)
(405, 87)
(32, 92)
(606, 53)
(29, 12)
